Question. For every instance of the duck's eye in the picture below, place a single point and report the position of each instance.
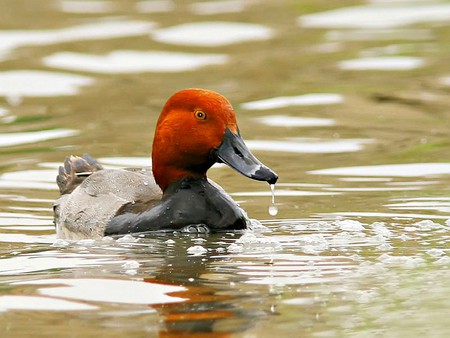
(200, 115)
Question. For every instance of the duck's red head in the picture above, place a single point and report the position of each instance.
(197, 128)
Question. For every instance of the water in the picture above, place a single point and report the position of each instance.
(347, 102)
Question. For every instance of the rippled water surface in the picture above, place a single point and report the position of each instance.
(348, 102)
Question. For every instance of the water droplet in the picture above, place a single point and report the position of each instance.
(272, 188)
(273, 209)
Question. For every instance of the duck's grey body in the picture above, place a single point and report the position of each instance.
(97, 201)
(86, 210)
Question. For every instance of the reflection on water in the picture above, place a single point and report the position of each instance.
(41, 304)
(286, 101)
(212, 34)
(394, 170)
(155, 6)
(13, 139)
(383, 63)
(77, 6)
(108, 29)
(309, 145)
(379, 15)
(133, 61)
(101, 290)
(360, 244)
(292, 121)
(219, 7)
(39, 83)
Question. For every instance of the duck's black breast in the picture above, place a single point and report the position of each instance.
(185, 202)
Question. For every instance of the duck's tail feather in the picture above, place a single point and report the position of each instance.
(74, 171)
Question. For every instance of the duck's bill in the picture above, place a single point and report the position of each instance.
(233, 152)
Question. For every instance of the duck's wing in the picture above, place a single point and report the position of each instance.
(85, 212)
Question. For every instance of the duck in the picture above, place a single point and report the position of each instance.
(196, 129)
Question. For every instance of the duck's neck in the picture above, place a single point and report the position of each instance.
(166, 176)
(195, 184)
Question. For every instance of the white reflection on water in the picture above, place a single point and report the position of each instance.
(34, 303)
(212, 34)
(284, 193)
(295, 121)
(155, 6)
(383, 215)
(218, 7)
(22, 238)
(395, 170)
(103, 29)
(437, 204)
(82, 6)
(13, 139)
(316, 146)
(378, 16)
(51, 260)
(128, 61)
(7, 218)
(445, 81)
(18, 83)
(105, 290)
(379, 34)
(299, 100)
(3, 111)
(29, 179)
(383, 63)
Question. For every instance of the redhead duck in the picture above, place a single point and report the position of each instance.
(196, 129)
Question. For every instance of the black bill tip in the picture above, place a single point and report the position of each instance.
(235, 154)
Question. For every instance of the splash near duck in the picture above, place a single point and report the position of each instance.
(196, 129)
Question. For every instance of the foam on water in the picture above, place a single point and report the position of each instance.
(389, 170)
(197, 250)
(128, 61)
(295, 121)
(105, 290)
(387, 63)
(250, 242)
(18, 83)
(212, 34)
(299, 100)
(378, 16)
